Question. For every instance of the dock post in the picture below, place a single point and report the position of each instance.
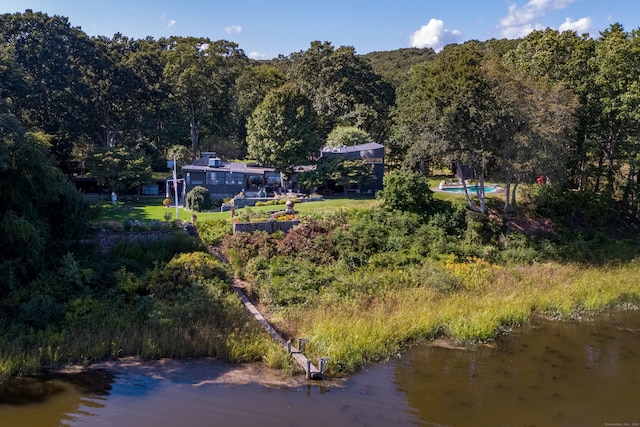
(323, 364)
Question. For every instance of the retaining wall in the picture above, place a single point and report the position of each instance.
(268, 226)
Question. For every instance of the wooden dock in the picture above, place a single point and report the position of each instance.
(311, 371)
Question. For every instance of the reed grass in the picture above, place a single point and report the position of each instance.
(493, 300)
(219, 328)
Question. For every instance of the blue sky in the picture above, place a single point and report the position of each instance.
(266, 28)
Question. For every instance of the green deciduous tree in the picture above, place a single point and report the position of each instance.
(344, 88)
(449, 108)
(120, 169)
(342, 172)
(535, 120)
(53, 58)
(347, 136)
(617, 60)
(282, 130)
(41, 213)
(567, 58)
(464, 109)
(202, 74)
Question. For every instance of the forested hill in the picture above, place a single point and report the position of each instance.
(393, 65)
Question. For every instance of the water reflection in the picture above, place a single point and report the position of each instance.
(553, 373)
(47, 400)
(203, 399)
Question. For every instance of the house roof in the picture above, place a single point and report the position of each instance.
(202, 165)
(353, 148)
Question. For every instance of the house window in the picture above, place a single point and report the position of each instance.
(215, 178)
(234, 178)
(273, 179)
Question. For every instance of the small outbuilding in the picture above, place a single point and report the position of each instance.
(371, 152)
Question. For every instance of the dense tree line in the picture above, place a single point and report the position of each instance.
(94, 96)
(478, 104)
(556, 105)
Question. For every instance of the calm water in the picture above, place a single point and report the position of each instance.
(550, 374)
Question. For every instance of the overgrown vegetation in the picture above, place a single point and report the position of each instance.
(364, 284)
(361, 284)
(165, 298)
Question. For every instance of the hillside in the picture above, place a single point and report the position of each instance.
(393, 65)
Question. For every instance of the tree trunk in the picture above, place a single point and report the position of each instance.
(423, 167)
(480, 193)
(193, 128)
(466, 191)
(513, 197)
(507, 205)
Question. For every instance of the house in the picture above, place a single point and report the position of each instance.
(371, 152)
(226, 179)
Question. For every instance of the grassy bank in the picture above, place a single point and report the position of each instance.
(157, 299)
(360, 281)
(490, 301)
(363, 285)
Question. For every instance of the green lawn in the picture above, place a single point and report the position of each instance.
(151, 208)
(146, 209)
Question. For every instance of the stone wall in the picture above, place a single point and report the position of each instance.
(268, 226)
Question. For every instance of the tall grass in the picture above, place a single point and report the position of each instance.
(180, 308)
(235, 338)
(365, 329)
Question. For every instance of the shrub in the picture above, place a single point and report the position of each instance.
(198, 199)
(576, 210)
(362, 237)
(212, 232)
(40, 311)
(405, 190)
(184, 271)
(310, 241)
(241, 247)
(280, 282)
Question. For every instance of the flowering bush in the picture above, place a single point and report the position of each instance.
(279, 216)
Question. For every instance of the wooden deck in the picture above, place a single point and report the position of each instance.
(312, 372)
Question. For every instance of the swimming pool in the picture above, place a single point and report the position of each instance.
(471, 188)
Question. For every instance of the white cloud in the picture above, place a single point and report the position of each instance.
(581, 26)
(171, 23)
(520, 21)
(233, 29)
(434, 35)
(257, 55)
